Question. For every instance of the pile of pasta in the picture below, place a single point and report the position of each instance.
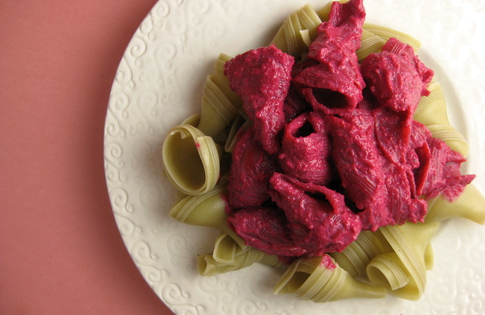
(392, 260)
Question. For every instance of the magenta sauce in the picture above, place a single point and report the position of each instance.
(333, 148)
(262, 78)
(327, 263)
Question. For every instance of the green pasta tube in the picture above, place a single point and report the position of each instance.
(309, 20)
(217, 111)
(429, 257)
(226, 249)
(452, 137)
(355, 258)
(219, 78)
(289, 38)
(306, 37)
(208, 209)
(192, 120)
(191, 160)
(385, 33)
(229, 256)
(410, 244)
(431, 109)
(387, 271)
(370, 43)
(469, 205)
(219, 64)
(320, 279)
(238, 123)
(208, 266)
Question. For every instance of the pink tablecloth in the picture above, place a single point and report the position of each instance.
(61, 252)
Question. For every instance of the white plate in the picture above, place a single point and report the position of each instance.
(159, 82)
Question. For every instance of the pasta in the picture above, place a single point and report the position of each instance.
(391, 259)
(289, 38)
(319, 279)
(370, 43)
(219, 103)
(221, 81)
(191, 160)
(410, 244)
(217, 111)
(469, 205)
(236, 125)
(432, 108)
(207, 209)
(228, 255)
(451, 136)
(385, 33)
(355, 258)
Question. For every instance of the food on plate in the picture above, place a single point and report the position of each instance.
(191, 160)
(329, 153)
(320, 279)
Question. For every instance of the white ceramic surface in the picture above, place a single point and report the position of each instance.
(159, 82)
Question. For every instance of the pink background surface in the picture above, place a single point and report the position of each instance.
(61, 252)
